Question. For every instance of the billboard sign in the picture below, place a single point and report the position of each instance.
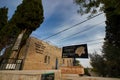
(75, 51)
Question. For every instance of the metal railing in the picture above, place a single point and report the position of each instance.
(11, 64)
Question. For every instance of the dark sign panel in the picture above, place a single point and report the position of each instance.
(48, 76)
(75, 51)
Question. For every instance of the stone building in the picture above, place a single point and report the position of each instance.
(39, 55)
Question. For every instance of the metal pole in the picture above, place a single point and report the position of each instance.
(74, 62)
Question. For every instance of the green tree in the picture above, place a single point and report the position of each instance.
(98, 64)
(3, 27)
(29, 14)
(111, 47)
(77, 63)
(3, 17)
(8, 34)
(27, 17)
(87, 71)
(112, 57)
(94, 6)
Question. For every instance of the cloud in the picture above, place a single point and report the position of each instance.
(56, 14)
(70, 17)
(85, 62)
(62, 15)
(80, 33)
(10, 3)
(49, 7)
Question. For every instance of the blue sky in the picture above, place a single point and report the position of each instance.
(62, 14)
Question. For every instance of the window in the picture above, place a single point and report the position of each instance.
(45, 59)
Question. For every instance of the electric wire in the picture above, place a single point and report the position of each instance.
(71, 27)
(76, 24)
(93, 40)
(95, 43)
(87, 29)
(89, 41)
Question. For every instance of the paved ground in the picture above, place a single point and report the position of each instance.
(76, 77)
(35, 75)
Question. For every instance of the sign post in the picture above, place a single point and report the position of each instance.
(74, 51)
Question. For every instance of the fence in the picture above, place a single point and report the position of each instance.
(11, 64)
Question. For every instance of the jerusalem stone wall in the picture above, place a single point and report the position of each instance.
(39, 55)
(28, 74)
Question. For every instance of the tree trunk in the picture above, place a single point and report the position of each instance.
(16, 46)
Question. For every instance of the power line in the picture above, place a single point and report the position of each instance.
(91, 27)
(95, 43)
(88, 41)
(71, 27)
(76, 24)
(87, 30)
